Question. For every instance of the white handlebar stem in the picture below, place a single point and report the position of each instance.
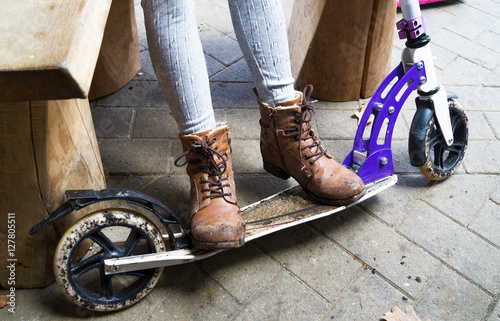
(410, 9)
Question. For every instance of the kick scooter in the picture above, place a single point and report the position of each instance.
(111, 259)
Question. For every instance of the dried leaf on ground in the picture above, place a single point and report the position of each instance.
(3, 300)
(360, 113)
(398, 315)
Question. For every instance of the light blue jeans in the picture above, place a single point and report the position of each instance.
(179, 62)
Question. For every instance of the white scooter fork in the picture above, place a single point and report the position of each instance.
(418, 49)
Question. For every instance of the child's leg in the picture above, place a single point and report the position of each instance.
(179, 63)
(261, 31)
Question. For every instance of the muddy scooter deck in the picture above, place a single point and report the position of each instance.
(280, 211)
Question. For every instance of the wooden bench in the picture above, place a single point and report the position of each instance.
(48, 54)
(343, 48)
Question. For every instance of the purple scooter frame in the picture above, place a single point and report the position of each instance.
(369, 158)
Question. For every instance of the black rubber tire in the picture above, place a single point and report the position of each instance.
(441, 159)
(81, 275)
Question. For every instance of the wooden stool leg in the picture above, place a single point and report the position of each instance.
(379, 46)
(119, 59)
(46, 147)
(349, 51)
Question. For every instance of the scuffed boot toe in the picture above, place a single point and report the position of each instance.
(219, 231)
(340, 187)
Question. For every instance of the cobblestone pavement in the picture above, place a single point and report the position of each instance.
(435, 246)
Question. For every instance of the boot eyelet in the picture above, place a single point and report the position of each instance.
(311, 163)
(296, 137)
(214, 139)
(216, 148)
(230, 194)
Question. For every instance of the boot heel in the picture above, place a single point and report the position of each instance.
(275, 170)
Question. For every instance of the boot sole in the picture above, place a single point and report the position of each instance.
(217, 245)
(276, 171)
(341, 202)
(281, 173)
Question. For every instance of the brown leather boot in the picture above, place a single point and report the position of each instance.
(290, 147)
(215, 221)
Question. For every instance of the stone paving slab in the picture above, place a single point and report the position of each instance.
(469, 191)
(487, 221)
(493, 120)
(213, 66)
(285, 298)
(221, 47)
(112, 122)
(479, 127)
(243, 272)
(450, 297)
(362, 300)
(171, 190)
(317, 261)
(395, 203)
(136, 182)
(382, 248)
(243, 123)
(238, 95)
(477, 98)
(470, 22)
(482, 157)
(150, 123)
(495, 196)
(185, 293)
(495, 315)
(237, 72)
(135, 93)
(147, 71)
(463, 251)
(216, 15)
(463, 72)
(252, 188)
(135, 156)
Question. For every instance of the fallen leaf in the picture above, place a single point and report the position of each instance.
(360, 113)
(398, 315)
(3, 300)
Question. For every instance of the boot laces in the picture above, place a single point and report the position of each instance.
(305, 130)
(207, 163)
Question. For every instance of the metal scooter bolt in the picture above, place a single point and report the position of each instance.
(420, 65)
(423, 80)
(383, 161)
(391, 110)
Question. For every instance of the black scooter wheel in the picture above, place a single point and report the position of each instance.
(441, 159)
(80, 255)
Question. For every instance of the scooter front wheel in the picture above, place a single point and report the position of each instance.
(80, 255)
(441, 159)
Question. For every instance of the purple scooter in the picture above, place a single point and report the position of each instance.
(439, 130)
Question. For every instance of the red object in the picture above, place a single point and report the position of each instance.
(425, 1)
